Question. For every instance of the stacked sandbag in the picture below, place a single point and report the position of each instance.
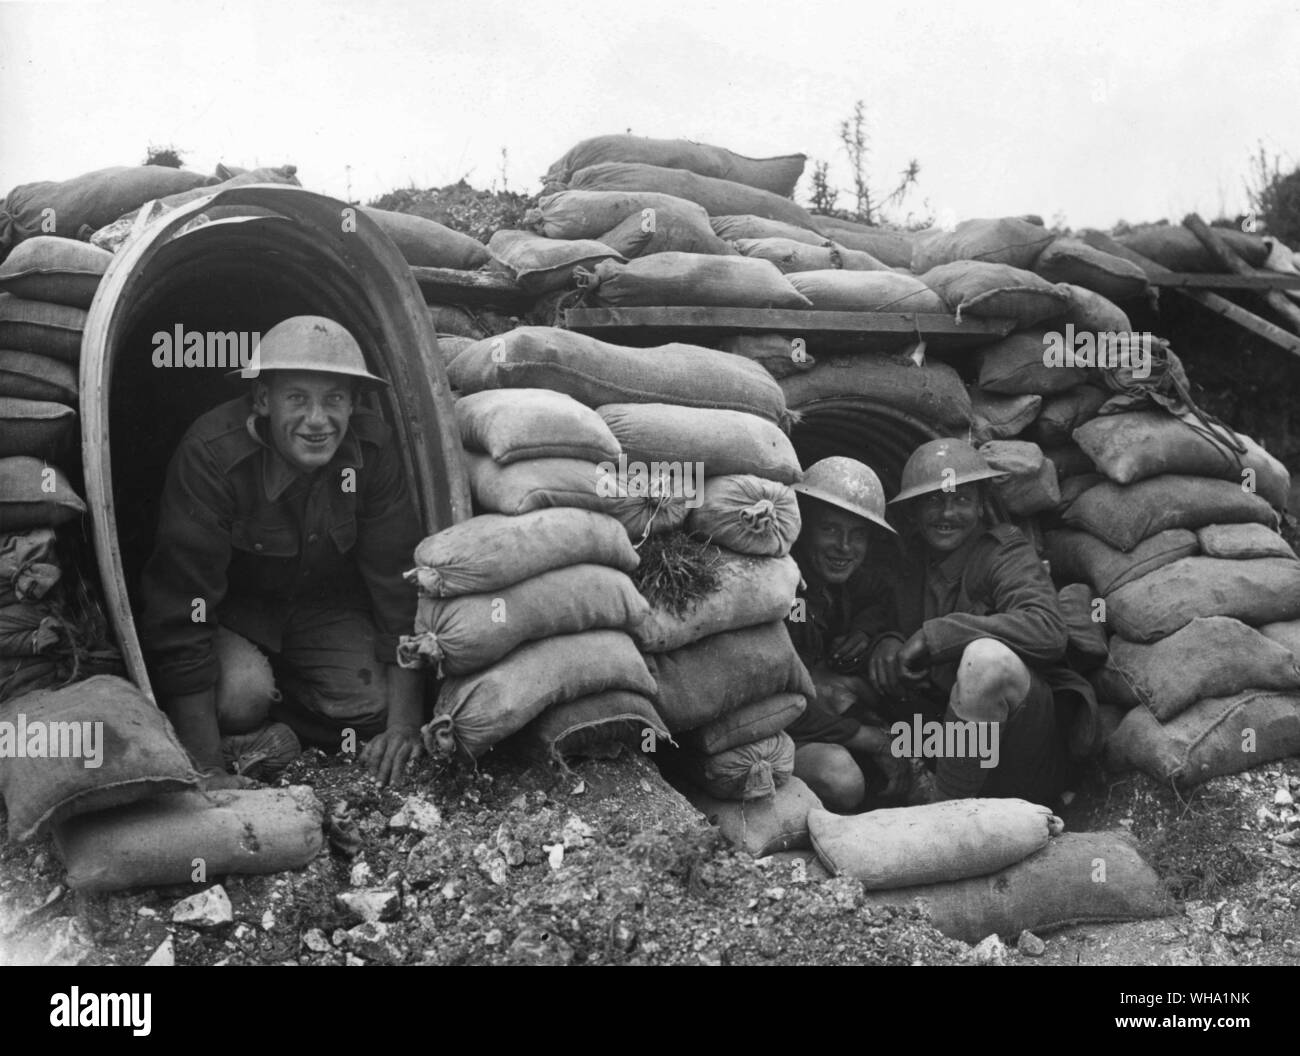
(527, 615)
(1178, 541)
(36, 649)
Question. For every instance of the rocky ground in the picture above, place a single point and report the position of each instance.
(606, 864)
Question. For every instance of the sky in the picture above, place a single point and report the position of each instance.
(1085, 113)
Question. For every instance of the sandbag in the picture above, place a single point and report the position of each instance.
(427, 243)
(1265, 590)
(777, 175)
(723, 442)
(32, 628)
(996, 291)
(795, 255)
(35, 427)
(890, 247)
(540, 265)
(596, 373)
(85, 748)
(750, 590)
(28, 376)
(599, 726)
(56, 270)
(35, 495)
(999, 416)
(1074, 261)
(1177, 248)
(459, 321)
(747, 514)
(1086, 648)
(718, 674)
(1029, 486)
(590, 214)
(644, 504)
(1242, 541)
(1059, 885)
(1090, 312)
(1070, 461)
(1016, 365)
(156, 842)
(1008, 240)
(21, 675)
(488, 552)
(52, 330)
(1065, 412)
(733, 228)
(933, 392)
(28, 565)
(1076, 555)
(1286, 633)
(762, 826)
(671, 279)
(748, 771)
(1125, 514)
(1213, 737)
(512, 425)
(1213, 656)
(719, 197)
(476, 711)
(1139, 444)
(779, 355)
(681, 227)
(747, 724)
(866, 291)
(77, 207)
(931, 844)
(466, 634)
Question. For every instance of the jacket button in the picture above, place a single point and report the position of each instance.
(313, 537)
(257, 546)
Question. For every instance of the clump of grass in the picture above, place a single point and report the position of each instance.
(676, 571)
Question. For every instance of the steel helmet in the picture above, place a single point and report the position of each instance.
(848, 484)
(309, 342)
(942, 464)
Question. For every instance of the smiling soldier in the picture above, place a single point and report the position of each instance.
(284, 530)
(977, 635)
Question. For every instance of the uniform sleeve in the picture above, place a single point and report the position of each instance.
(184, 580)
(821, 723)
(1026, 616)
(387, 534)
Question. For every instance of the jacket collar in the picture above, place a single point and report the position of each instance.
(277, 474)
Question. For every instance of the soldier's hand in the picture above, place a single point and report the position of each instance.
(914, 658)
(388, 754)
(884, 672)
(848, 652)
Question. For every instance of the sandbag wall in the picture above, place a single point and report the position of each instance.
(580, 453)
(46, 285)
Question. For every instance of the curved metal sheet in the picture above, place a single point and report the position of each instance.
(350, 259)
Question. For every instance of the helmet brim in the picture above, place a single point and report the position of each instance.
(253, 373)
(814, 492)
(918, 490)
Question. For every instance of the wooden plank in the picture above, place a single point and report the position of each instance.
(449, 286)
(1230, 261)
(1266, 280)
(937, 330)
(1221, 305)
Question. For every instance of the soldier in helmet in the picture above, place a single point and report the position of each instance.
(842, 747)
(284, 530)
(976, 637)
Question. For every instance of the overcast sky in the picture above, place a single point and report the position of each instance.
(1095, 111)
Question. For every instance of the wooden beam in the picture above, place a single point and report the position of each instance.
(484, 288)
(1231, 262)
(1284, 340)
(1262, 280)
(937, 330)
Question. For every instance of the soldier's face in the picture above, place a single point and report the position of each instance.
(837, 544)
(948, 518)
(308, 415)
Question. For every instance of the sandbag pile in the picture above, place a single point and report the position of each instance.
(1177, 538)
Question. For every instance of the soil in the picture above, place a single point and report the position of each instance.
(605, 863)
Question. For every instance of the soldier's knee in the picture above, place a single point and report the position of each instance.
(245, 684)
(990, 677)
(832, 773)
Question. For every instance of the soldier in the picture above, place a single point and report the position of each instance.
(285, 527)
